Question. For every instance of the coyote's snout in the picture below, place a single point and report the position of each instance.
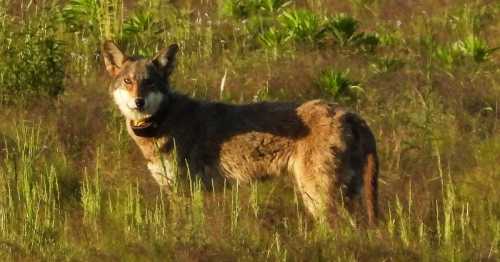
(327, 149)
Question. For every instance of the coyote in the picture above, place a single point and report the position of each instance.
(330, 151)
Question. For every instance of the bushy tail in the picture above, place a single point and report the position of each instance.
(369, 170)
(370, 195)
(370, 173)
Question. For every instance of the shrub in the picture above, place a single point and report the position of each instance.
(82, 16)
(92, 18)
(32, 61)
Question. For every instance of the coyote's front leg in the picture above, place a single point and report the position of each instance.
(163, 173)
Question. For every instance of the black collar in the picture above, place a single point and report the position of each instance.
(150, 127)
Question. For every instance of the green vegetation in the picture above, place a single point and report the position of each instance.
(426, 76)
(339, 86)
(32, 57)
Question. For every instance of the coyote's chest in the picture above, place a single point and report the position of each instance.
(160, 155)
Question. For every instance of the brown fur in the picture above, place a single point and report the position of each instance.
(325, 147)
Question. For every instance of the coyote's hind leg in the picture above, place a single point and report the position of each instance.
(316, 185)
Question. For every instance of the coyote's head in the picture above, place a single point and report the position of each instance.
(140, 85)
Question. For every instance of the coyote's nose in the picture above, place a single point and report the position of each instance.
(139, 102)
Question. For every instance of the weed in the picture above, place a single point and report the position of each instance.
(91, 197)
(458, 53)
(245, 9)
(339, 86)
(139, 23)
(386, 65)
(274, 40)
(344, 29)
(302, 26)
(475, 48)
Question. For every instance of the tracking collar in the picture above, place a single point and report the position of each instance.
(150, 127)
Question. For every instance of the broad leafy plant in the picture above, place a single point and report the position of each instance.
(302, 26)
(344, 30)
(339, 86)
(242, 9)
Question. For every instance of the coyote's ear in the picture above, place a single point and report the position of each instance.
(113, 58)
(165, 59)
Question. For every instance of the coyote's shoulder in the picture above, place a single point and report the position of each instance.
(325, 147)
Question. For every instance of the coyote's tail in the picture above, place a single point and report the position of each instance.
(370, 195)
(369, 168)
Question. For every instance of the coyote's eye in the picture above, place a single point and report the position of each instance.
(147, 82)
(127, 81)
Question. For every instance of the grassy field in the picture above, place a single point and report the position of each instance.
(425, 75)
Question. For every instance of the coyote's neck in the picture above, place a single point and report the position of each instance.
(172, 127)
